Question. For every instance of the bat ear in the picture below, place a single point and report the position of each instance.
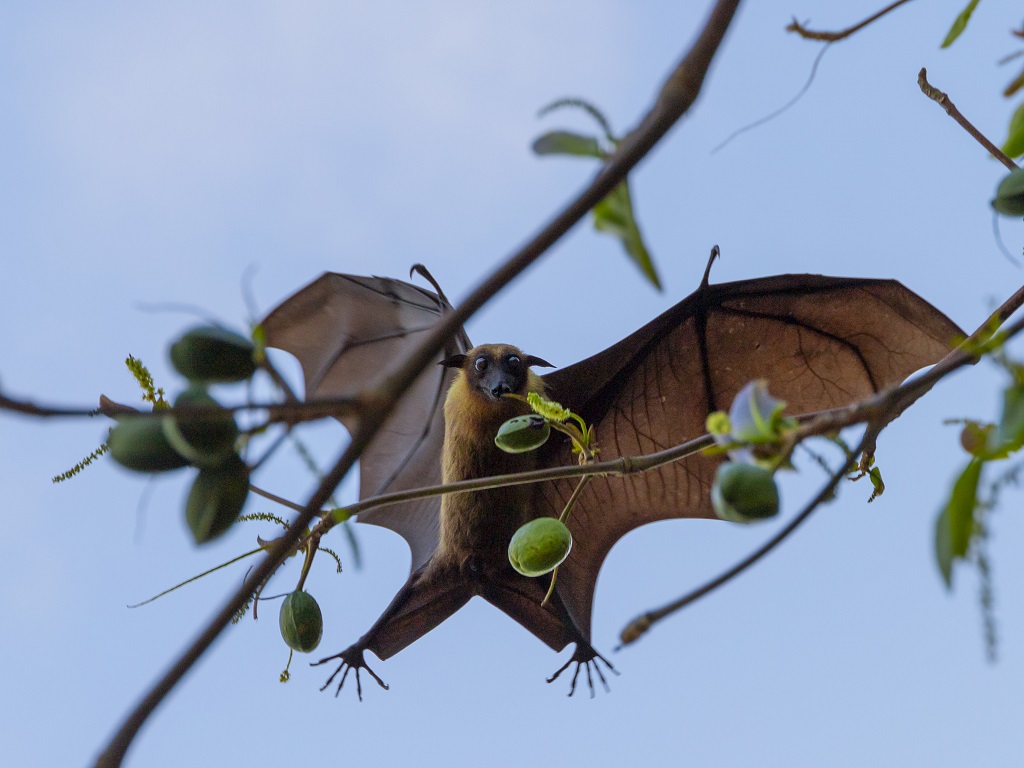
(538, 361)
(455, 361)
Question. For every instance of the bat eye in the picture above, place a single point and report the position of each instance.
(514, 360)
(480, 364)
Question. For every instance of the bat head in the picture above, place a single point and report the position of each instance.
(493, 370)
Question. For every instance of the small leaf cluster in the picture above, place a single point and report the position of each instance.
(958, 527)
(614, 214)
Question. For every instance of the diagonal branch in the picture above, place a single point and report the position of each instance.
(677, 95)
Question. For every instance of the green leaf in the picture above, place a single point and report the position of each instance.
(960, 24)
(568, 143)
(955, 525)
(1009, 198)
(1014, 144)
(587, 107)
(943, 548)
(614, 215)
(1011, 425)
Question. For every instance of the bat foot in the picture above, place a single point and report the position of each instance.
(351, 658)
(585, 657)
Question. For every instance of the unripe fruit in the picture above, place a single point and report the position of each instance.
(206, 441)
(213, 354)
(539, 546)
(216, 499)
(523, 433)
(743, 493)
(302, 623)
(139, 443)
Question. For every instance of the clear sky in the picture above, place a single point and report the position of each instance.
(156, 154)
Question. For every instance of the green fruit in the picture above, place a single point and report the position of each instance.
(1010, 194)
(523, 433)
(539, 546)
(302, 623)
(216, 499)
(207, 441)
(743, 493)
(139, 443)
(213, 354)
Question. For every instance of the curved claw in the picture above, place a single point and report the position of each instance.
(351, 658)
(585, 656)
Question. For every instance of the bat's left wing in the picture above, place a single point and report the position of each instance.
(821, 342)
(346, 331)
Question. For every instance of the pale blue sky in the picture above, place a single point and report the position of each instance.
(153, 153)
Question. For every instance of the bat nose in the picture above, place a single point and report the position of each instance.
(500, 389)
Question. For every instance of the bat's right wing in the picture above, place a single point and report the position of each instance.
(346, 331)
(821, 342)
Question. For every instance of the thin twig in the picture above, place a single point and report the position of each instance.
(640, 625)
(831, 37)
(943, 100)
(676, 96)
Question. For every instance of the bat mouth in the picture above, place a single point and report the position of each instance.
(494, 394)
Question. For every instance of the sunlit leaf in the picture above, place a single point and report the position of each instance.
(614, 215)
(955, 525)
(960, 24)
(584, 105)
(1014, 144)
(568, 143)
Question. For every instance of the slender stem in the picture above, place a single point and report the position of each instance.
(831, 37)
(575, 495)
(676, 96)
(942, 99)
(289, 413)
(640, 625)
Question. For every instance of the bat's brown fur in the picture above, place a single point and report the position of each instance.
(479, 525)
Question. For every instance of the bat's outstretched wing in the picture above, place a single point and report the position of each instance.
(821, 342)
(347, 331)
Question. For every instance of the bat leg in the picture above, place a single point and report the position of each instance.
(585, 657)
(428, 598)
(521, 599)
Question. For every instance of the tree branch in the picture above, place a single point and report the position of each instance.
(676, 96)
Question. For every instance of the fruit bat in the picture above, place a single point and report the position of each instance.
(820, 342)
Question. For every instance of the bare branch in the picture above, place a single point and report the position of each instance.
(943, 100)
(831, 37)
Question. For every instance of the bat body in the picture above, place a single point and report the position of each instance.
(821, 342)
